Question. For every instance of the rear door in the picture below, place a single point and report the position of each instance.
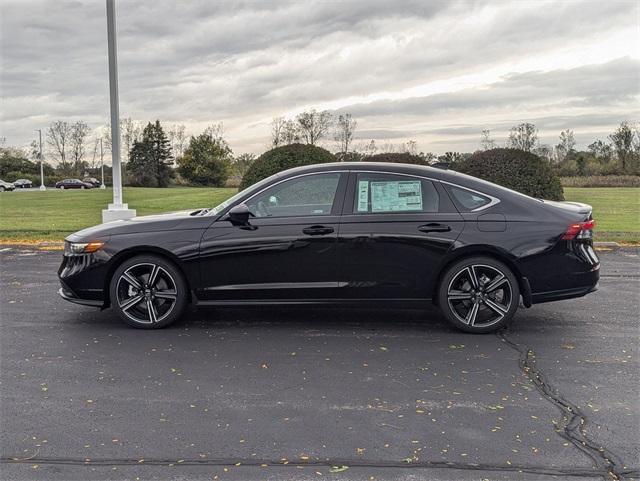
(394, 233)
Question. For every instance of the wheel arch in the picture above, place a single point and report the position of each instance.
(131, 252)
(485, 251)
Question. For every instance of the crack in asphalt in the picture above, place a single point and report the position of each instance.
(328, 463)
(574, 419)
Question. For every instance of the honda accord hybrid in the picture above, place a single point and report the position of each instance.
(342, 234)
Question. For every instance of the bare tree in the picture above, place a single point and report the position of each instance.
(130, 131)
(94, 154)
(77, 139)
(545, 151)
(58, 135)
(566, 145)
(345, 127)
(216, 133)
(278, 125)
(314, 125)
(523, 136)
(178, 139)
(411, 147)
(486, 141)
(290, 133)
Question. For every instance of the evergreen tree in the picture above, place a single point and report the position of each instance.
(150, 158)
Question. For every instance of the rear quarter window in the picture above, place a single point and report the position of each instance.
(466, 200)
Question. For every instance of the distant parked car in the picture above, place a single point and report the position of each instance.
(92, 180)
(73, 184)
(23, 184)
(6, 186)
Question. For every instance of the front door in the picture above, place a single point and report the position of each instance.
(394, 234)
(288, 252)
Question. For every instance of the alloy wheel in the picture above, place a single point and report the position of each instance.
(479, 295)
(146, 293)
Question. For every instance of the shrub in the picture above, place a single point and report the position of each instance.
(283, 158)
(602, 181)
(206, 161)
(398, 158)
(516, 169)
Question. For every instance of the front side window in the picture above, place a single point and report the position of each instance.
(382, 193)
(466, 200)
(303, 196)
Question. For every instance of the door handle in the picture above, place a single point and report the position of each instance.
(317, 230)
(434, 227)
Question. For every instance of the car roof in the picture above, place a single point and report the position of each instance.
(439, 174)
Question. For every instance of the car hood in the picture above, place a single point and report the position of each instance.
(147, 223)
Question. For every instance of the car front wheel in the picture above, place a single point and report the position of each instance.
(479, 295)
(148, 292)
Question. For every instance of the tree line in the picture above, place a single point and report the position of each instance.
(156, 156)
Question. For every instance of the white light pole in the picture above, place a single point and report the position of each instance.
(102, 186)
(117, 210)
(42, 187)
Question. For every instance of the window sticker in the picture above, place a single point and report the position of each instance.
(363, 196)
(396, 196)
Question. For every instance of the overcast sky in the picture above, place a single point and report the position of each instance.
(434, 72)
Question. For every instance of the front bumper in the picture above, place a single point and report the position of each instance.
(68, 295)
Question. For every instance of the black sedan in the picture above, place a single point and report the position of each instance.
(23, 184)
(73, 184)
(344, 233)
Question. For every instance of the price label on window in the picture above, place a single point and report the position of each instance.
(363, 196)
(396, 196)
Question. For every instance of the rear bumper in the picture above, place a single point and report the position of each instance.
(588, 282)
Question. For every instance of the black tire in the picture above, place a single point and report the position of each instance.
(160, 301)
(496, 294)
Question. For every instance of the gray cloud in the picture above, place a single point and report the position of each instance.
(199, 62)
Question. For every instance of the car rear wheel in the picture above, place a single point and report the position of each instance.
(148, 292)
(479, 295)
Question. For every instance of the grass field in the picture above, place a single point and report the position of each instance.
(615, 209)
(52, 215)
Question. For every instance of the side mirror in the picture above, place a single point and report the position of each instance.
(239, 215)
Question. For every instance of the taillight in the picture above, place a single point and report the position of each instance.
(580, 230)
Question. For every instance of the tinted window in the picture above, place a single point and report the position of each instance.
(303, 196)
(465, 199)
(383, 193)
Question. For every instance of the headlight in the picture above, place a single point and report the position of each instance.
(77, 248)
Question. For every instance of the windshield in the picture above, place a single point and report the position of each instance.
(220, 207)
(231, 200)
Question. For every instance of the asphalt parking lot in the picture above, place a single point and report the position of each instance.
(317, 393)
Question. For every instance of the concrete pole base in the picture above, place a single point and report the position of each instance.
(117, 212)
(42, 187)
(102, 186)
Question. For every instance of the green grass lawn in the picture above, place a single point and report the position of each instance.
(52, 215)
(615, 209)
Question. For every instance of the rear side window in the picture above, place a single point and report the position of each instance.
(466, 200)
(386, 193)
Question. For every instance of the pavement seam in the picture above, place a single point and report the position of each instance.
(329, 463)
(574, 419)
